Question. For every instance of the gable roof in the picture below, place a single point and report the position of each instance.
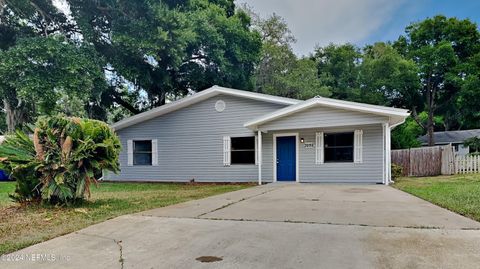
(450, 136)
(197, 97)
(395, 115)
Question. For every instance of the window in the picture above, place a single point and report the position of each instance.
(243, 150)
(142, 152)
(338, 147)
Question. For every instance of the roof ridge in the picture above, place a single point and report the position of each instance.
(358, 103)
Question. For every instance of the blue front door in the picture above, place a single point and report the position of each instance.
(286, 160)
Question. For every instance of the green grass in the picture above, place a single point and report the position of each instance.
(458, 193)
(25, 225)
(5, 189)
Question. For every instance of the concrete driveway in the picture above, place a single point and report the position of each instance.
(274, 226)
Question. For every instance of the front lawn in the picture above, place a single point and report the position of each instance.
(22, 226)
(458, 193)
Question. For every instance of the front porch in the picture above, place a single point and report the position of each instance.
(355, 154)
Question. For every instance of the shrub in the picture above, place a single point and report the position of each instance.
(18, 159)
(397, 171)
(59, 163)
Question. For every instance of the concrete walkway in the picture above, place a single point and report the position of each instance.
(274, 226)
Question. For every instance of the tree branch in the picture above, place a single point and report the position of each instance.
(416, 118)
(118, 99)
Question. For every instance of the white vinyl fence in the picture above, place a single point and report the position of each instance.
(467, 164)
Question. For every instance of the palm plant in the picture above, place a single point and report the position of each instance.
(63, 157)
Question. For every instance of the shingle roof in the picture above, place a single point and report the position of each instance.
(450, 136)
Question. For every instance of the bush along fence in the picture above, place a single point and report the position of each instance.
(432, 161)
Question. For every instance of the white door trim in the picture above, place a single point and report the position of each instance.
(275, 135)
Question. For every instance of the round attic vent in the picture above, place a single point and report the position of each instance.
(220, 106)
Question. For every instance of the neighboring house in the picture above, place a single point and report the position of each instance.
(223, 134)
(456, 138)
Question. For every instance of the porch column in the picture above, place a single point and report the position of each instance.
(259, 157)
(389, 154)
(384, 153)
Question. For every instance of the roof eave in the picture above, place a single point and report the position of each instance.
(400, 114)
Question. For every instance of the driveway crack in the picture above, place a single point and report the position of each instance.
(345, 224)
(121, 260)
(120, 248)
(236, 202)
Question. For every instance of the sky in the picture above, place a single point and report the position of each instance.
(361, 22)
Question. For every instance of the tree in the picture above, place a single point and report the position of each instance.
(468, 116)
(154, 49)
(473, 143)
(301, 81)
(440, 47)
(338, 70)
(387, 78)
(171, 47)
(37, 73)
(277, 57)
(406, 135)
(279, 71)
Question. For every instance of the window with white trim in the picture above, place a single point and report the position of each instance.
(338, 147)
(242, 150)
(142, 152)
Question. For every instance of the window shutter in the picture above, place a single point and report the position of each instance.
(358, 146)
(226, 150)
(130, 152)
(256, 150)
(319, 148)
(154, 152)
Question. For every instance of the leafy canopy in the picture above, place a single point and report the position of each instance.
(39, 71)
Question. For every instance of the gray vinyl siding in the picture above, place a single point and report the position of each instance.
(369, 171)
(190, 142)
(322, 117)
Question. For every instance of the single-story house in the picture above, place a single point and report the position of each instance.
(456, 138)
(229, 135)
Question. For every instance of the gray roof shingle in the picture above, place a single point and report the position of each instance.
(450, 136)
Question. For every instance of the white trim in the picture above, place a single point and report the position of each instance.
(197, 97)
(319, 148)
(384, 149)
(130, 152)
(256, 150)
(358, 146)
(259, 153)
(227, 153)
(388, 154)
(396, 114)
(275, 135)
(154, 152)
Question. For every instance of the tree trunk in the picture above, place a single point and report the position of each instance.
(431, 92)
(430, 129)
(15, 115)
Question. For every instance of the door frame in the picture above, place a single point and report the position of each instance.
(275, 135)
